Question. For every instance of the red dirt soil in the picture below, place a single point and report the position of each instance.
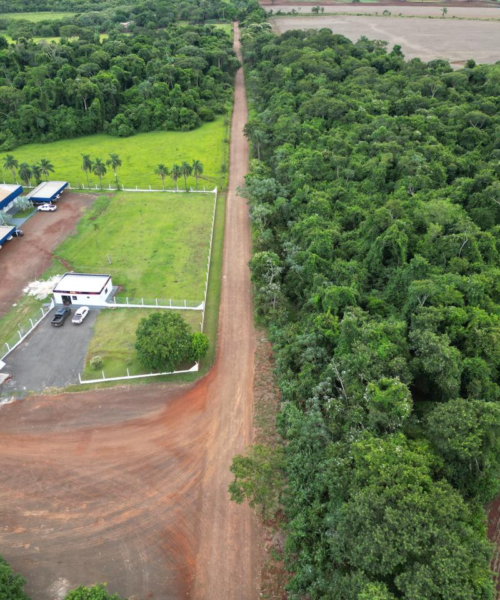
(129, 485)
(25, 259)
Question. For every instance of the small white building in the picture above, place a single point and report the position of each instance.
(83, 289)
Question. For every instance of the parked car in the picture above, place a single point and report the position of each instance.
(16, 233)
(61, 315)
(47, 207)
(80, 315)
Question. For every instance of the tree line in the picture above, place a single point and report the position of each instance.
(375, 200)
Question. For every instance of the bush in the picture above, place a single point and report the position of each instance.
(164, 341)
(96, 362)
(95, 592)
(11, 584)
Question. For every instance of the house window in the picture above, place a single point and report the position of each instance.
(75, 297)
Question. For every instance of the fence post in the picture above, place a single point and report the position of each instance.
(103, 376)
(185, 304)
(20, 336)
(8, 347)
(128, 372)
(127, 301)
(170, 302)
(31, 323)
(80, 378)
(43, 314)
(156, 301)
(142, 301)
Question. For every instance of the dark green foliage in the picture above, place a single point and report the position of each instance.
(95, 592)
(11, 584)
(155, 75)
(164, 341)
(376, 208)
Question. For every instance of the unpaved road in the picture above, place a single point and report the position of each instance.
(427, 39)
(24, 259)
(129, 486)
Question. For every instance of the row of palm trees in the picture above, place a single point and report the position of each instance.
(98, 167)
(27, 172)
(184, 170)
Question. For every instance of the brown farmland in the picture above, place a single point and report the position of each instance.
(427, 39)
(129, 485)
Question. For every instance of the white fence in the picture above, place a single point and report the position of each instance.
(209, 258)
(109, 188)
(193, 369)
(156, 303)
(23, 336)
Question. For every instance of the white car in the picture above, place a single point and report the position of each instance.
(80, 315)
(47, 208)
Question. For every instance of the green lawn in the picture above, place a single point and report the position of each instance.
(36, 17)
(140, 154)
(114, 339)
(157, 243)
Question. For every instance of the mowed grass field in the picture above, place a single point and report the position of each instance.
(36, 17)
(154, 245)
(140, 154)
(114, 341)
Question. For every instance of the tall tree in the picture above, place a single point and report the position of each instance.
(162, 171)
(25, 173)
(46, 167)
(87, 166)
(197, 170)
(115, 163)
(99, 169)
(175, 173)
(10, 163)
(36, 171)
(186, 170)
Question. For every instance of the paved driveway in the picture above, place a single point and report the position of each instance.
(50, 356)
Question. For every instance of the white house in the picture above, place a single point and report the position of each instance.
(83, 289)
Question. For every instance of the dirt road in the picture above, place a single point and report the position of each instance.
(23, 260)
(129, 486)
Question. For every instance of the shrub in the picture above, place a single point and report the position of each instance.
(96, 362)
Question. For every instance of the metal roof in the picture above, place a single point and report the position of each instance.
(7, 189)
(47, 189)
(81, 283)
(5, 231)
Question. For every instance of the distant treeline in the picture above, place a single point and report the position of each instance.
(375, 199)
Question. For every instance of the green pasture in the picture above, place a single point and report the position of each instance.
(140, 154)
(36, 17)
(154, 245)
(114, 339)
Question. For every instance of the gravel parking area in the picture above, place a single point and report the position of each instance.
(50, 356)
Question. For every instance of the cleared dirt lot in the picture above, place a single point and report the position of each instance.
(459, 12)
(24, 259)
(427, 39)
(50, 356)
(129, 485)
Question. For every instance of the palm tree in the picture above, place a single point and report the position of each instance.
(175, 174)
(36, 171)
(25, 173)
(11, 164)
(99, 169)
(115, 163)
(162, 172)
(46, 167)
(197, 170)
(186, 170)
(87, 166)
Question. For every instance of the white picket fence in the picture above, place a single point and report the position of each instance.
(193, 369)
(109, 188)
(209, 260)
(23, 336)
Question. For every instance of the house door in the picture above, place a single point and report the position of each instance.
(66, 300)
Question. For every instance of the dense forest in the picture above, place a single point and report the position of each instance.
(375, 199)
(160, 75)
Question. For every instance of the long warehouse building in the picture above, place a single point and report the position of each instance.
(8, 194)
(47, 191)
